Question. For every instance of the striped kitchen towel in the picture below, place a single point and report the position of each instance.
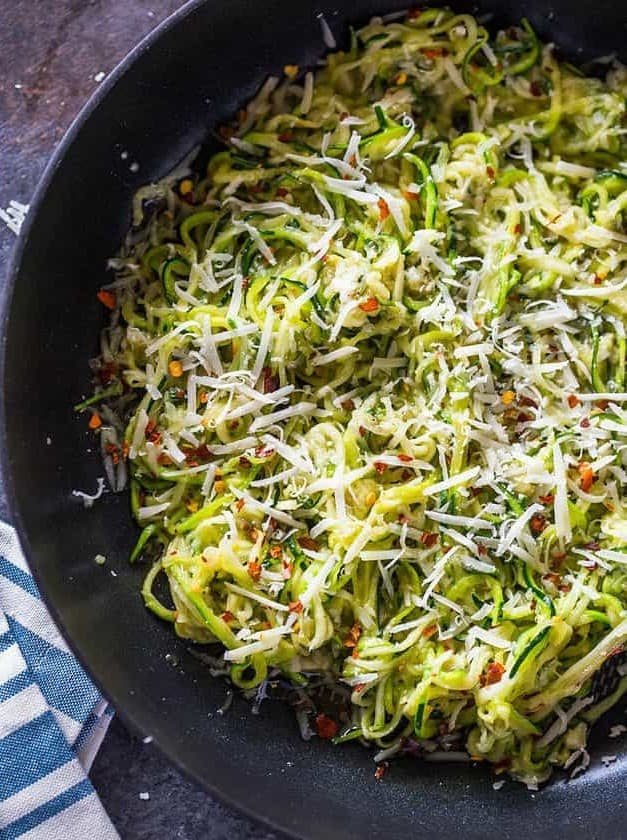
(52, 719)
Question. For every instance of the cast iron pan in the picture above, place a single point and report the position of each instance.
(190, 74)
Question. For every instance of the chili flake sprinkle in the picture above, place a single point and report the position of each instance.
(326, 727)
(369, 305)
(106, 298)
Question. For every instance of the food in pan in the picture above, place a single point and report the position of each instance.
(366, 373)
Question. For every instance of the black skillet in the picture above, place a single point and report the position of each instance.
(189, 75)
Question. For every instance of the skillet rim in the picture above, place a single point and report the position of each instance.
(239, 805)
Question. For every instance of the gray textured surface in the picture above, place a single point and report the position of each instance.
(51, 53)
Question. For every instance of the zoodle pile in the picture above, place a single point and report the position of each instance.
(366, 373)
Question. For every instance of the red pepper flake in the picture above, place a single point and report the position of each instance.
(379, 773)
(288, 570)
(428, 539)
(106, 298)
(429, 631)
(413, 14)
(517, 229)
(271, 381)
(548, 499)
(227, 616)
(164, 459)
(239, 504)
(380, 467)
(107, 372)
(348, 405)
(254, 569)
(493, 674)
(553, 578)
(482, 549)
(573, 401)
(355, 653)
(203, 452)
(410, 195)
(125, 450)
(244, 462)
(369, 305)
(431, 52)
(295, 606)
(94, 421)
(593, 546)
(264, 452)
(384, 209)
(275, 552)
(286, 137)
(602, 404)
(586, 475)
(527, 402)
(282, 192)
(361, 431)
(597, 280)
(535, 88)
(326, 727)
(538, 523)
(585, 423)
(154, 437)
(353, 636)
(490, 172)
(405, 475)
(112, 450)
(308, 543)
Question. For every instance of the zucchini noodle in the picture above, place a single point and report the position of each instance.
(366, 373)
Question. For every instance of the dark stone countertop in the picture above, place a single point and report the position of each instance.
(52, 53)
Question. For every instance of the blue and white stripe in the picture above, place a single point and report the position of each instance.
(52, 719)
